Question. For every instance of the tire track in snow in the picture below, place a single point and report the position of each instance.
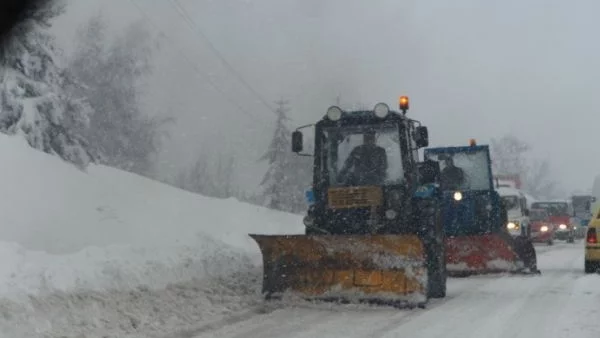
(506, 307)
(310, 320)
(357, 321)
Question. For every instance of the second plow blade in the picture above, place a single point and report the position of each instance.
(385, 269)
(489, 253)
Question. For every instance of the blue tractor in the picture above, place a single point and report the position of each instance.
(474, 217)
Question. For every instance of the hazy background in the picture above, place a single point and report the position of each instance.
(473, 69)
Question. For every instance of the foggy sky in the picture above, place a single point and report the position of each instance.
(473, 69)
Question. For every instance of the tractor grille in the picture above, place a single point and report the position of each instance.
(354, 197)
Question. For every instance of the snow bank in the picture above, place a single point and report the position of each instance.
(75, 244)
(51, 206)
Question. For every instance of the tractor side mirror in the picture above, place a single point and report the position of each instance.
(429, 171)
(421, 137)
(297, 141)
(526, 212)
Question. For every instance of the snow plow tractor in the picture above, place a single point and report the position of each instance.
(372, 231)
(474, 217)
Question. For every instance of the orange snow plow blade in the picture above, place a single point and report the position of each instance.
(489, 253)
(354, 268)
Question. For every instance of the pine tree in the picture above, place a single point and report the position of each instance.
(127, 138)
(277, 182)
(33, 101)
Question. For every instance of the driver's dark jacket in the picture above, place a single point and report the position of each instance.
(367, 165)
(452, 177)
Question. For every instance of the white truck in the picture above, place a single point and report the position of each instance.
(517, 207)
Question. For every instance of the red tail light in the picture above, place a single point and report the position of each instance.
(591, 236)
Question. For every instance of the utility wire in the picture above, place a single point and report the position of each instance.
(195, 28)
(194, 66)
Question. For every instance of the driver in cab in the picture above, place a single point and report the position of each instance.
(451, 177)
(367, 163)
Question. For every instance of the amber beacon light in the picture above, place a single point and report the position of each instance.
(403, 103)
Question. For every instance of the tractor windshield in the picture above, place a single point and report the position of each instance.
(363, 155)
(463, 170)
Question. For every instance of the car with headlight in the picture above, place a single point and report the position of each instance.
(542, 230)
(592, 245)
(560, 215)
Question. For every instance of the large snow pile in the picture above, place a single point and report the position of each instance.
(88, 251)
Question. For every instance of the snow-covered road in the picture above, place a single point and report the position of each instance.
(559, 303)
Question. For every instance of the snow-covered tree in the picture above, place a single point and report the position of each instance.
(33, 101)
(511, 155)
(285, 181)
(209, 177)
(127, 137)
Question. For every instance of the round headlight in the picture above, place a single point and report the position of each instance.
(381, 110)
(334, 113)
(511, 225)
(390, 214)
(563, 226)
(544, 228)
(458, 196)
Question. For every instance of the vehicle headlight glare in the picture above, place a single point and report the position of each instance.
(458, 196)
(511, 225)
(544, 228)
(563, 226)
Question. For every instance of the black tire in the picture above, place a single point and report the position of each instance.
(526, 252)
(589, 266)
(438, 274)
(437, 285)
(550, 242)
(571, 240)
(430, 223)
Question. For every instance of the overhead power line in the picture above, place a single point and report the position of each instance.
(195, 28)
(194, 66)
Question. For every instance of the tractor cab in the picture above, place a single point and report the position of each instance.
(471, 205)
(366, 170)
